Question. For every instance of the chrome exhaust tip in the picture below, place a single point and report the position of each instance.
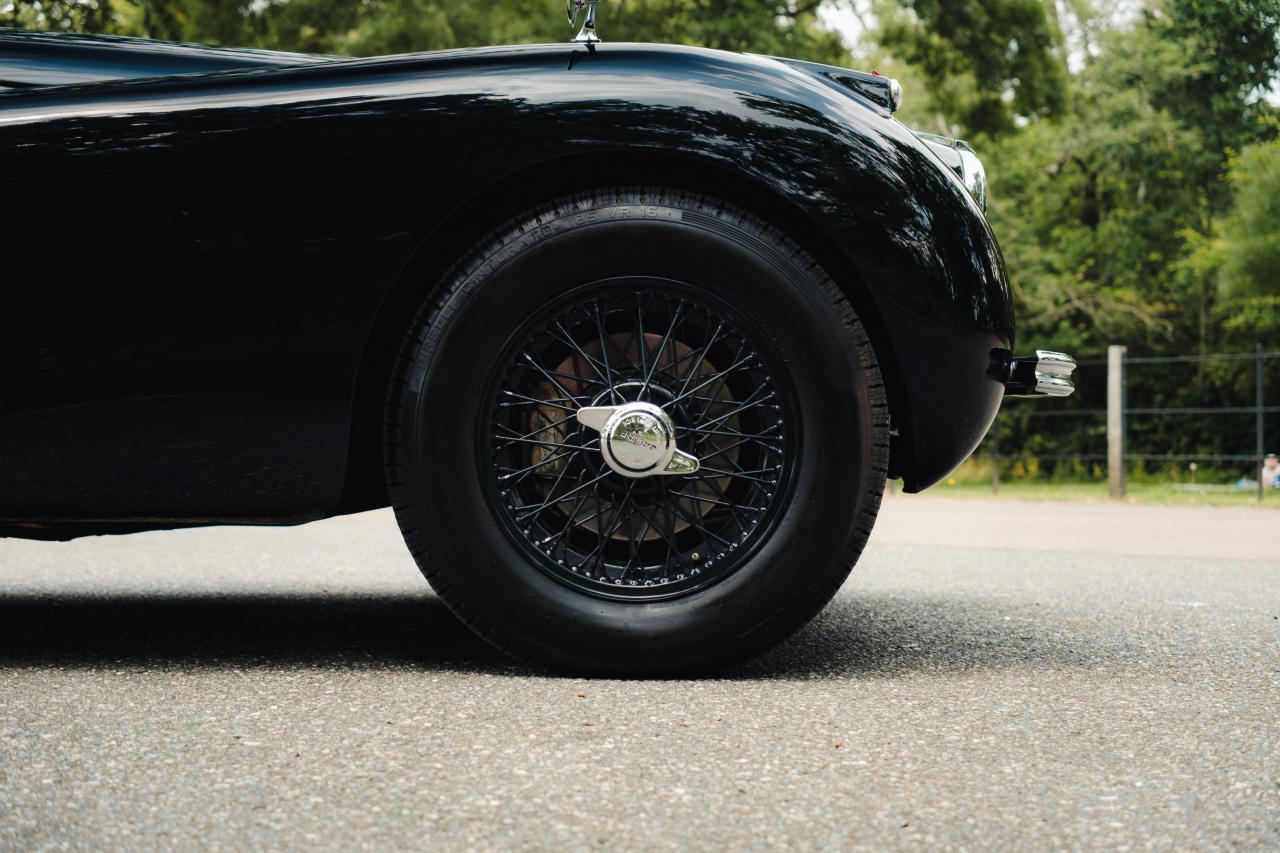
(1045, 374)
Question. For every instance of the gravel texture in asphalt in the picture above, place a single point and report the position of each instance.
(1111, 682)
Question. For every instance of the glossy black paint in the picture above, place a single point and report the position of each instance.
(202, 274)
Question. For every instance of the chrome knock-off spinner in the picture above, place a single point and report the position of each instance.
(638, 440)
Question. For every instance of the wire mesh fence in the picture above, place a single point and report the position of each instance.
(1202, 421)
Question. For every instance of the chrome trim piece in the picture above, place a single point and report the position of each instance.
(1053, 386)
(959, 156)
(587, 35)
(973, 173)
(882, 91)
(595, 417)
(637, 440)
(1046, 374)
(895, 94)
(682, 463)
(1055, 363)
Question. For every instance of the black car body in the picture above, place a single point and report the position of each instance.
(210, 257)
(262, 220)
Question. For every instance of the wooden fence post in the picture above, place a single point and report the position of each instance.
(1116, 478)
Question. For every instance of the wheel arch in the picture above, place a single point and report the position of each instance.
(447, 241)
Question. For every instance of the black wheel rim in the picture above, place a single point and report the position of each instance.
(657, 537)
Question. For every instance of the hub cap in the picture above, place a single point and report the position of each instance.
(639, 445)
(638, 440)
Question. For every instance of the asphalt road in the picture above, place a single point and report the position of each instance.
(1113, 682)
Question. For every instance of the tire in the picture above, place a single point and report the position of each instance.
(636, 575)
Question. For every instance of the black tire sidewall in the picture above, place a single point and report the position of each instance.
(489, 580)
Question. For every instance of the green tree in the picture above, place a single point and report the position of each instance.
(1250, 243)
(987, 63)
(1090, 208)
(1228, 55)
(1108, 214)
(78, 15)
(374, 27)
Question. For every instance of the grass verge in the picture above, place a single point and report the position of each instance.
(1139, 493)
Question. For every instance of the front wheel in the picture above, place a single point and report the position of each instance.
(636, 432)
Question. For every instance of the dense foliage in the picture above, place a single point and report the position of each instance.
(1134, 157)
(1139, 217)
(985, 63)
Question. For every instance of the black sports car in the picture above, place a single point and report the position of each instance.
(630, 336)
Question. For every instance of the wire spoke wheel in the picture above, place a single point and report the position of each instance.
(642, 537)
(639, 432)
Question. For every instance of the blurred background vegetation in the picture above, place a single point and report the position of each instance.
(1132, 149)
